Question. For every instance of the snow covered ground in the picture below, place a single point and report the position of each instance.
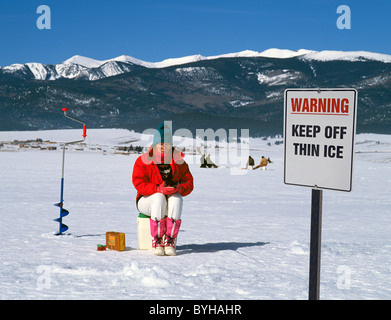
(244, 236)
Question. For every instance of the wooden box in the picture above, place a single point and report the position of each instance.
(115, 240)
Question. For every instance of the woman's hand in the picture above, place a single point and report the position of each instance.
(167, 191)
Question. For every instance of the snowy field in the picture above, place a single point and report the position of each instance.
(243, 236)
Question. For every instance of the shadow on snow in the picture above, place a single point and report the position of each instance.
(218, 246)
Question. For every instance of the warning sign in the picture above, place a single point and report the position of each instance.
(319, 135)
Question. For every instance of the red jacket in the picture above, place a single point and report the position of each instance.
(146, 176)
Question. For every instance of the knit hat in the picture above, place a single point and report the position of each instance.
(163, 134)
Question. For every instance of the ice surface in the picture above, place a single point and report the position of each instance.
(243, 236)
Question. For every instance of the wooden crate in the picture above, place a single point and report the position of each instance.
(115, 240)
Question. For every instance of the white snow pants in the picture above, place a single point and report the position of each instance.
(157, 206)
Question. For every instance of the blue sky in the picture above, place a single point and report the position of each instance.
(154, 30)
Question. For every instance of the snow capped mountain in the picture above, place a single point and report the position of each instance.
(325, 55)
(236, 90)
(79, 67)
(329, 55)
(128, 59)
(284, 53)
(178, 61)
(84, 61)
(76, 67)
(269, 53)
(91, 63)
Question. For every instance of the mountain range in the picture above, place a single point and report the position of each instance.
(231, 91)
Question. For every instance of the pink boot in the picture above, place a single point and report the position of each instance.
(158, 229)
(171, 235)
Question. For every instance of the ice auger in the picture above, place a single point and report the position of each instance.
(63, 212)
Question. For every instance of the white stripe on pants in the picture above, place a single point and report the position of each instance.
(157, 206)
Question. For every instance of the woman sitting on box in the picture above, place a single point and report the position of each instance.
(161, 178)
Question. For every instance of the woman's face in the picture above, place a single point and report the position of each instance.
(163, 147)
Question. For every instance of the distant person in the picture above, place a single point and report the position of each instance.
(263, 163)
(250, 163)
(209, 163)
(203, 161)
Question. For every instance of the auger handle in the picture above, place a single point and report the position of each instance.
(74, 119)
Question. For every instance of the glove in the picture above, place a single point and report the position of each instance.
(167, 191)
(178, 188)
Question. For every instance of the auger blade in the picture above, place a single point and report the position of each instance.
(63, 228)
(64, 213)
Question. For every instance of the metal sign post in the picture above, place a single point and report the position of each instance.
(315, 244)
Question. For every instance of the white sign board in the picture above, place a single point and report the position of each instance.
(319, 135)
